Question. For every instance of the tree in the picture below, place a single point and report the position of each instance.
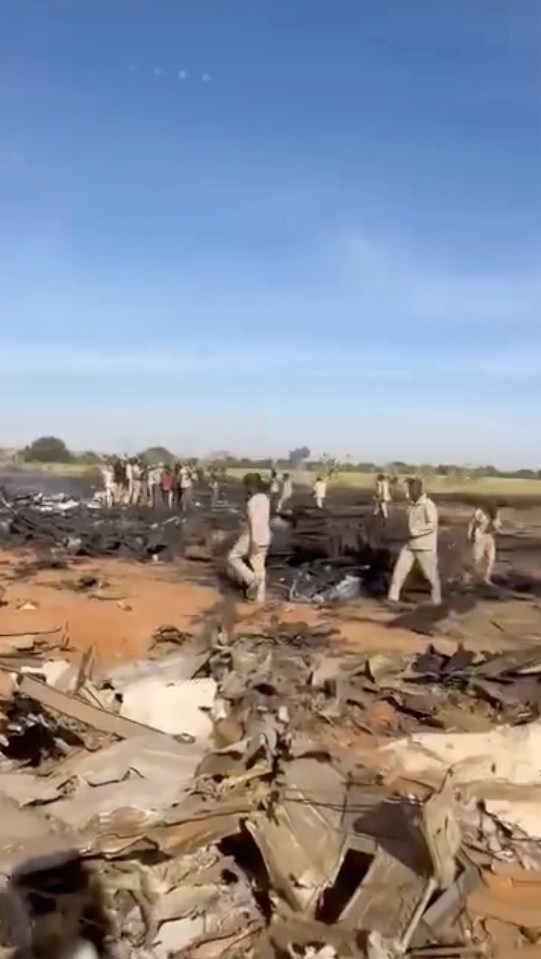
(329, 465)
(220, 456)
(89, 458)
(47, 449)
(157, 454)
(297, 456)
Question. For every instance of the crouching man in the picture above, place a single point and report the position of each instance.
(422, 546)
(246, 560)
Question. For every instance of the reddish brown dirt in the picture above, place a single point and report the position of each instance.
(115, 630)
(158, 595)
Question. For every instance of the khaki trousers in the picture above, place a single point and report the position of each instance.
(427, 561)
(244, 553)
(484, 555)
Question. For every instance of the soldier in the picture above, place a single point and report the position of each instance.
(422, 545)
(246, 560)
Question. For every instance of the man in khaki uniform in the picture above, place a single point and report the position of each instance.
(482, 530)
(422, 545)
(246, 560)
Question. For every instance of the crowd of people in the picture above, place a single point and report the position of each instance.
(129, 481)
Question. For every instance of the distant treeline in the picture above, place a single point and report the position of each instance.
(51, 449)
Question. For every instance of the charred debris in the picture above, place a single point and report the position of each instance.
(316, 555)
(206, 801)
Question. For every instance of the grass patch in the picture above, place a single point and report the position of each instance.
(482, 485)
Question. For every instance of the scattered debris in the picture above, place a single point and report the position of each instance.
(197, 803)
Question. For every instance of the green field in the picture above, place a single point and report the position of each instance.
(49, 469)
(484, 486)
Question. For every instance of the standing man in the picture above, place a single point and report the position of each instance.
(154, 479)
(166, 485)
(482, 530)
(214, 486)
(320, 492)
(286, 492)
(119, 474)
(145, 488)
(186, 485)
(382, 496)
(136, 474)
(274, 489)
(422, 545)
(128, 494)
(246, 560)
(108, 476)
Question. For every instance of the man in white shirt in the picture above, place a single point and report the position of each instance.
(135, 491)
(422, 546)
(382, 496)
(108, 476)
(185, 487)
(286, 492)
(246, 560)
(320, 492)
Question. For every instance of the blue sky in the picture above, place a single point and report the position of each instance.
(252, 225)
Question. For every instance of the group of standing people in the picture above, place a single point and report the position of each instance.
(281, 491)
(129, 481)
